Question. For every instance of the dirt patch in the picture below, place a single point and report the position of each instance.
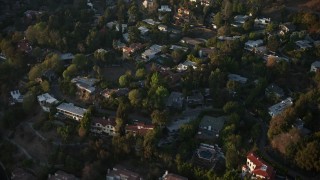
(35, 146)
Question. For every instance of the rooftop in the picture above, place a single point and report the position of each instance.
(237, 78)
(280, 107)
(47, 98)
(61, 175)
(71, 108)
(119, 172)
(261, 169)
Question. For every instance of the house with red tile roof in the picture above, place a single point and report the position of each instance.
(139, 128)
(258, 168)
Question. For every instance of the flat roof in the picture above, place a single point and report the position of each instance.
(71, 108)
(280, 107)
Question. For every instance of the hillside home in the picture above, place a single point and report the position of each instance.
(251, 45)
(85, 84)
(139, 128)
(164, 8)
(171, 176)
(184, 66)
(46, 101)
(280, 107)
(258, 168)
(237, 78)
(151, 52)
(71, 111)
(315, 66)
(121, 173)
(102, 125)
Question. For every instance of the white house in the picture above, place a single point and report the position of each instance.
(250, 45)
(164, 8)
(315, 66)
(163, 28)
(280, 107)
(86, 84)
(258, 168)
(46, 101)
(103, 125)
(143, 30)
(71, 111)
(16, 96)
(184, 66)
(151, 52)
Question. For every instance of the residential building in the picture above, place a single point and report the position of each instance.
(117, 26)
(196, 98)
(175, 100)
(151, 22)
(174, 47)
(210, 127)
(274, 90)
(205, 52)
(237, 78)
(139, 128)
(303, 44)
(164, 8)
(125, 37)
(251, 45)
(171, 176)
(143, 30)
(132, 49)
(102, 125)
(258, 168)
(151, 52)
(16, 97)
(121, 173)
(163, 28)
(71, 111)
(239, 20)
(280, 107)
(107, 93)
(192, 41)
(228, 38)
(46, 101)
(85, 84)
(315, 66)
(261, 22)
(66, 56)
(286, 28)
(61, 175)
(184, 66)
(148, 4)
(208, 156)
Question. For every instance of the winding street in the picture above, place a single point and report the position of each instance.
(262, 148)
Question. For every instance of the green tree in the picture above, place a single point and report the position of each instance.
(64, 132)
(231, 107)
(85, 124)
(80, 61)
(45, 86)
(141, 73)
(133, 34)
(135, 97)
(29, 102)
(160, 118)
(70, 72)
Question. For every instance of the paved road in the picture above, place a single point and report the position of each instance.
(3, 174)
(20, 147)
